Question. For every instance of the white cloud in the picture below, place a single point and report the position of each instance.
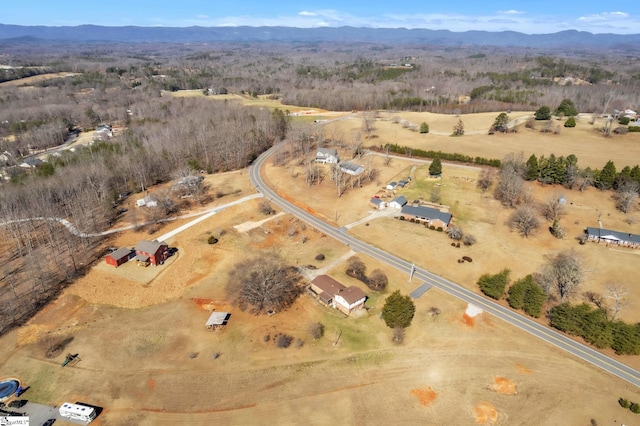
(509, 20)
(604, 16)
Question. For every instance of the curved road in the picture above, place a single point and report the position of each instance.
(548, 335)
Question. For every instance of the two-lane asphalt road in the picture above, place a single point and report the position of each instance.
(548, 335)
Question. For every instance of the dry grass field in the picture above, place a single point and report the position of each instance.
(28, 81)
(584, 141)
(148, 359)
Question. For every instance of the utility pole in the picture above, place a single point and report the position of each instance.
(413, 270)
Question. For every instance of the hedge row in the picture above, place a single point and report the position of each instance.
(594, 327)
(461, 158)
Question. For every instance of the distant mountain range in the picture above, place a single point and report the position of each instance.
(96, 33)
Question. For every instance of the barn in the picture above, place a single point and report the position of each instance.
(118, 257)
(156, 251)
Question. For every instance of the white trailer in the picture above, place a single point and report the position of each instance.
(77, 411)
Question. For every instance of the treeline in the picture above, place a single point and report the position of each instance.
(420, 153)
(9, 74)
(592, 324)
(168, 138)
(595, 327)
(565, 171)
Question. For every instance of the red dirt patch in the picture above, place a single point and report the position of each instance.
(425, 396)
(522, 369)
(151, 384)
(206, 304)
(486, 414)
(469, 321)
(504, 385)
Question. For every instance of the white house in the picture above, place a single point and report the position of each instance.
(398, 202)
(351, 169)
(392, 185)
(327, 155)
(147, 201)
(103, 132)
(350, 299)
(5, 157)
(377, 203)
(336, 295)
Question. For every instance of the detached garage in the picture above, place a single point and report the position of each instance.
(119, 256)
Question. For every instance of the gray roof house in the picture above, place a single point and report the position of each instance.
(398, 202)
(608, 236)
(378, 203)
(431, 216)
(351, 168)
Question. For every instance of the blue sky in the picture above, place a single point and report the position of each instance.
(531, 17)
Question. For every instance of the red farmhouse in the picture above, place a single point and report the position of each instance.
(156, 251)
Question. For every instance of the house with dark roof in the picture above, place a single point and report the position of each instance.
(607, 236)
(31, 163)
(336, 295)
(155, 252)
(327, 155)
(423, 214)
(118, 257)
(399, 202)
(378, 203)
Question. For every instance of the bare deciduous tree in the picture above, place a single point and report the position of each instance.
(626, 197)
(562, 274)
(524, 220)
(455, 233)
(316, 330)
(552, 208)
(618, 293)
(378, 280)
(264, 283)
(510, 185)
(469, 240)
(485, 179)
(266, 208)
(356, 267)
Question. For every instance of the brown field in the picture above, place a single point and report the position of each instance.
(147, 358)
(584, 141)
(27, 81)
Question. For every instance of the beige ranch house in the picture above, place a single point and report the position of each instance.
(336, 295)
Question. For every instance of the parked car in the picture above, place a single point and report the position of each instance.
(18, 403)
(49, 422)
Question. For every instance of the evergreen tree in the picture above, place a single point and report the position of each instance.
(516, 294)
(534, 299)
(532, 168)
(607, 176)
(494, 285)
(424, 127)
(398, 310)
(458, 129)
(566, 108)
(543, 113)
(435, 169)
(571, 122)
(500, 124)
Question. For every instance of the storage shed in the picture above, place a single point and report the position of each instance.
(217, 320)
(118, 257)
